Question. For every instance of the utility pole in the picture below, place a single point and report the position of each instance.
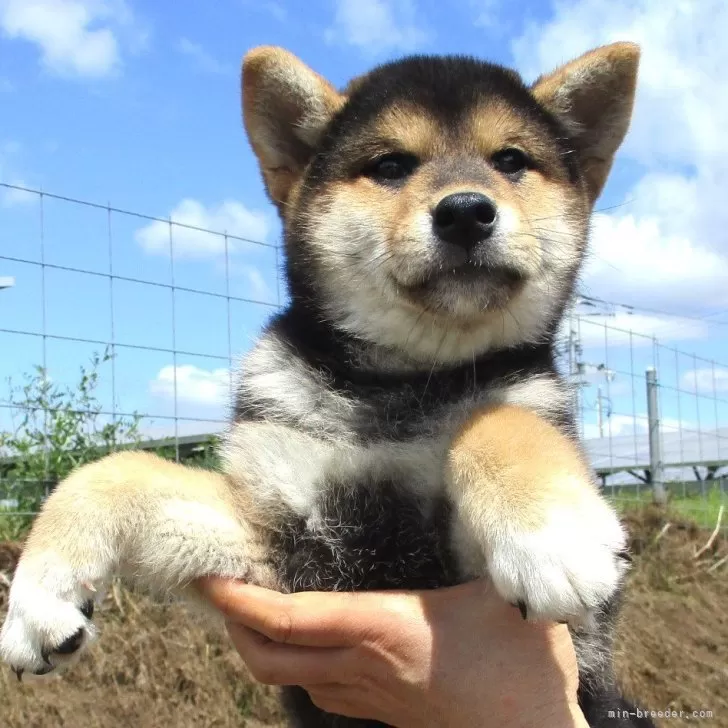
(600, 417)
(578, 368)
(653, 420)
(601, 398)
(575, 364)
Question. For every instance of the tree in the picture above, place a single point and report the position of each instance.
(57, 428)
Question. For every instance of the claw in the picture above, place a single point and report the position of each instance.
(522, 609)
(626, 556)
(88, 609)
(70, 645)
(45, 654)
(19, 673)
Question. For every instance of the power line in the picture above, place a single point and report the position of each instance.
(633, 308)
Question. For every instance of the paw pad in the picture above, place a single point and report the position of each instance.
(71, 644)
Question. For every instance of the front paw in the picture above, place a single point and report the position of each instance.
(49, 619)
(565, 570)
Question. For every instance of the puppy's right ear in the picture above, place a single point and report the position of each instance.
(286, 107)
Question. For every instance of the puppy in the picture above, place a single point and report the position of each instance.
(401, 423)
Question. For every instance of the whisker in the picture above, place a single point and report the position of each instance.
(434, 364)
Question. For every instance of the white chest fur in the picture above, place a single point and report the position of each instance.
(291, 468)
(289, 464)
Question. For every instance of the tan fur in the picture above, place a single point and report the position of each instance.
(494, 125)
(407, 128)
(285, 106)
(513, 464)
(104, 506)
(595, 94)
(528, 513)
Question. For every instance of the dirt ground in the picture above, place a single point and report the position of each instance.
(158, 666)
(673, 646)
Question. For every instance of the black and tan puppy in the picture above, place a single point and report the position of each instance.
(401, 424)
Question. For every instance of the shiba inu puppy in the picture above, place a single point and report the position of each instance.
(401, 424)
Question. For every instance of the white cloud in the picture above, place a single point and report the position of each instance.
(207, 240)
(615, 425)
(377, 27)
(202, 59)
(623, 425)
(666, 247)
(678, 113)
(705, 380)
(640, 257)
(75, 37)
(636, 329)
(194, 385)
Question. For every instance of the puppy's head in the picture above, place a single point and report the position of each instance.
(438, 206)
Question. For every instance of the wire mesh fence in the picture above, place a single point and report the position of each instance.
(121, 329)
(613, 369)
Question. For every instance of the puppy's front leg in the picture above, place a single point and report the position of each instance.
(156, 523)
(528, 512)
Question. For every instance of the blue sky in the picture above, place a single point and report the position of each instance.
(137, 105)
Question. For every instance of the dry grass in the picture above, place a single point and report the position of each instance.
(673, 648)
(154, 666)
(158, 666)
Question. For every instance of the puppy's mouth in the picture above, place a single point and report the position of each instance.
(469, 275)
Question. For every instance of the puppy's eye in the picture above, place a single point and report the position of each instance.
(391, 168)
(511, 161)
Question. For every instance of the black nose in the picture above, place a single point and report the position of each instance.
(464, 219)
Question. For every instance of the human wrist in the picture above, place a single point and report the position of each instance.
(527, 715)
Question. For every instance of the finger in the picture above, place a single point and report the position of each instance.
(312, 619)
(273, 663)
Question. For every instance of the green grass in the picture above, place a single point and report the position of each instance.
(13, 526)
(701, 508)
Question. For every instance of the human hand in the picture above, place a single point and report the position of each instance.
(447, 658)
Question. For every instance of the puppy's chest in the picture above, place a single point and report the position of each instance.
(358, 473)
(368, 534)
(299, 433)
(364, 508)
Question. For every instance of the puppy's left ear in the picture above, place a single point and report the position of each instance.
(594, 96)
(286, 107)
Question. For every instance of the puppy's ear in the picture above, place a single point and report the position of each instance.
(594, 95)
(286, 107)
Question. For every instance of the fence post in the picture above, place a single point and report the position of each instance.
(653, 421)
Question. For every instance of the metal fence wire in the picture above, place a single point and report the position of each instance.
(173, 304)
